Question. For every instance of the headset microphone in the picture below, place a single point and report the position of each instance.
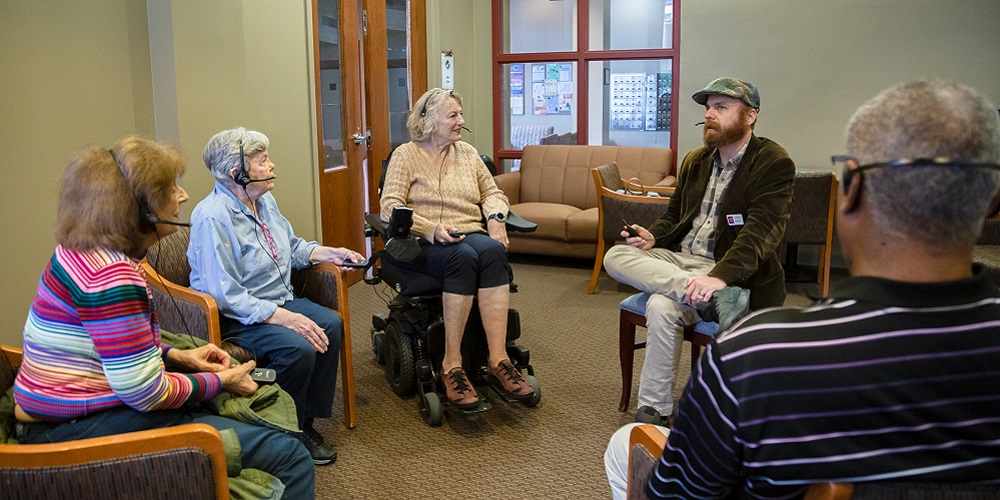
(466, 129)
(271, 178)
(156, 220)
(699, 124)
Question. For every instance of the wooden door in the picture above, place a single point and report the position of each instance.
(366, 51)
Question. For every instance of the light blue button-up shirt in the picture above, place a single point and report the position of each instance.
(231, 258)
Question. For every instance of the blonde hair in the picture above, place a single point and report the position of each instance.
(423, 116)
(103, 203)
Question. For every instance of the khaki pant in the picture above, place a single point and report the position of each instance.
(664, 275)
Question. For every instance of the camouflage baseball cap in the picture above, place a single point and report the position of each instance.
(737, 89)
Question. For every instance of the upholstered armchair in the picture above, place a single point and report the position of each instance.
(181, 309)
(185, 461)
(811, 223)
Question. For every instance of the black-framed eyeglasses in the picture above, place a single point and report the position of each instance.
(848, 174)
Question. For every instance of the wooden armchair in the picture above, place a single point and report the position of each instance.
(181, 309)
(185, 461)
(612, 207)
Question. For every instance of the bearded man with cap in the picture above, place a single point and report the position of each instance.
(713, 254)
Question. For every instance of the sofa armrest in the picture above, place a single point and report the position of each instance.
(510, 184)
(668, 181)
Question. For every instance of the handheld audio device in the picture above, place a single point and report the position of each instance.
(263, 375)
(361, 264)
(628, 228)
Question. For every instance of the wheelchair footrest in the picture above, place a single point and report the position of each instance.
(483, 406)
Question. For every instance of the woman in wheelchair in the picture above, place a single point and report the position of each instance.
(447, 185)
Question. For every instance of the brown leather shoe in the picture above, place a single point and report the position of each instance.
(458, 389)
(514, 384)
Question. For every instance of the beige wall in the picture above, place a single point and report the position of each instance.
(74, 74)
(814, 61)
(80, 73)
(463, 26)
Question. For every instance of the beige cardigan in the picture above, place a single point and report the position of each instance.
(453, 198)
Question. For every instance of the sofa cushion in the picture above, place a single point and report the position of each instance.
(550, 217)
(561, 174)
(582, 226)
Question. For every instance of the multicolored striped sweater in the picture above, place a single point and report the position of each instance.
(92, 342)
(883, 382)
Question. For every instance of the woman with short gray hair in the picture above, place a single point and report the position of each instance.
(242, 252)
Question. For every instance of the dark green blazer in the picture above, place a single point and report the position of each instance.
(761, 192)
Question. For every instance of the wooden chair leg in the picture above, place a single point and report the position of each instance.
(626, 353)
(823, 274)
(598, 264)
(347, 383)
(695, 354)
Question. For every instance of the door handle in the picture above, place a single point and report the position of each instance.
(367, 138)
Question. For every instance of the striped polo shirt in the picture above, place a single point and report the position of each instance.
(884, 381)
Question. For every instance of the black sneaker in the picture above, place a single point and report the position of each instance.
(649, 415)
(321, 452)
(727, 306)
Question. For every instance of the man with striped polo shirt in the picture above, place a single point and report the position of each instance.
(894, 377)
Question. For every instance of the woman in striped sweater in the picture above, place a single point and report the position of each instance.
(93, 362)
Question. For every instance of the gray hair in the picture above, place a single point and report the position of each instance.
(423, 117)
(222, 153)
(936, 205)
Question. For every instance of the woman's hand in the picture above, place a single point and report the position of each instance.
(302, 325)
(237, 379)
(207, 358)
(334, 255)
(644, 241)
(498, 231)
(442, 234)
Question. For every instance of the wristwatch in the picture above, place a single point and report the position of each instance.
(499, 216)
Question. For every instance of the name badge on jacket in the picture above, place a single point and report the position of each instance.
(734, 219)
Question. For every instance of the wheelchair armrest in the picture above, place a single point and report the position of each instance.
(517, 224)
(374, 226)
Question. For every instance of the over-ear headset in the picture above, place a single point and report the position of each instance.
(147, 219)
(242, 177)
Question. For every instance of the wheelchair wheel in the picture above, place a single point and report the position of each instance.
(399, 370)
(430, 409)
(533, 400)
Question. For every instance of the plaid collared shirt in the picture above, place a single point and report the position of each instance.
(700, 240)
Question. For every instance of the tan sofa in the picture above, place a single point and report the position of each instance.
(554, 188)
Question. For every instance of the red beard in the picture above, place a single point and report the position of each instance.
(715, 136)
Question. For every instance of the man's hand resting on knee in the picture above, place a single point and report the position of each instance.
(701, 288)
(301, 325)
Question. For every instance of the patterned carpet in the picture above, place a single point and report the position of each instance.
(554, 450)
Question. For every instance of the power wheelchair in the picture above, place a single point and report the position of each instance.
(409, 340)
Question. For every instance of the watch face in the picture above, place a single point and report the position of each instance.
(499, 217)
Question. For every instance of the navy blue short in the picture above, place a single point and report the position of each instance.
(476, 262)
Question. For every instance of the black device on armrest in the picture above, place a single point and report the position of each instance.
(400, 222)
(400, 244)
